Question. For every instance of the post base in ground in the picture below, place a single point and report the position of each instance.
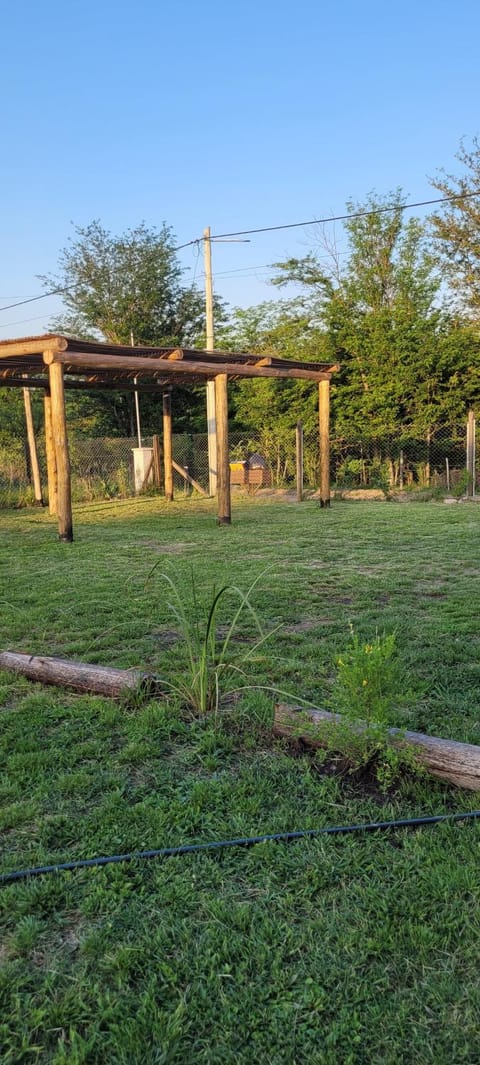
(224, 521)
(324, 503)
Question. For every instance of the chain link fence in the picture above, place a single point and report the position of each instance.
(102, 468)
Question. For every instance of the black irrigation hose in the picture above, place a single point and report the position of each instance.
(247, 841)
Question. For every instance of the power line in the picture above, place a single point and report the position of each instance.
(21, 321)
(344, 217)
(187, 245)
(271, 229)
(32, 299)
(68, 288)
(242, 269)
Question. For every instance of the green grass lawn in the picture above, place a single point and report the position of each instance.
(350, 950)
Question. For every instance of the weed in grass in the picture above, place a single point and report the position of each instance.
(215, 657)
(27, 933)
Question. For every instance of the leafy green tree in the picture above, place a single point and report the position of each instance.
(119, 288)
(12, 415)
(267, 408)
(285, 329)
(116, 287)
(410, 368)
(381, 317)
(457, 227)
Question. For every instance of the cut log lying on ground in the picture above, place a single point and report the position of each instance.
(80, 676)
(457, 763)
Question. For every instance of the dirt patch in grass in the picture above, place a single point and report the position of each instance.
(70, 939)
(359, 784)
(430, 589)
(166, 637)
(167, 549)
(307, 625)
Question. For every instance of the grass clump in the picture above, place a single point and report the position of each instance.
(213, 650)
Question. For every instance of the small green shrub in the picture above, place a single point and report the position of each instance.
(369, 689)
(368, 676)
(363, 473)
(461, 484)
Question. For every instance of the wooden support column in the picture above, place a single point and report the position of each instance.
(224, 508)
(324, 435)
(299, 462)
(470, 464)
(32, 448)
(167, 446)
(157, 461)
(50, 452)
(62, 458)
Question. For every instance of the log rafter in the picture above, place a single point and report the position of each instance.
(103, 364)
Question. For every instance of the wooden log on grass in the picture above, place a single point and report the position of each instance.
(457, 763)
(79, 676)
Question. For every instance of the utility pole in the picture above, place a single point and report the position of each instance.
(211, 418)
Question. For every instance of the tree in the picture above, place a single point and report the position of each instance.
(284, 329)
(116, 287)
(380, 315)
(119, 288)
(12, 416)
(269, 408)
(457, 227)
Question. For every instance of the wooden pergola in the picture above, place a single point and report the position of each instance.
(55, 363)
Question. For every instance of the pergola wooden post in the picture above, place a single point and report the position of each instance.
(299, 460)
(324, 436)
(224, 507)
(50, 454)
(157, 461)
(60, 443)
(32, 448)
(167, 446)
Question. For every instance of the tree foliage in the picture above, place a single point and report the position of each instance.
(128, 288)
(119, 287)
(410, 367)
(384, 322)
(286, 329)
(457, 227)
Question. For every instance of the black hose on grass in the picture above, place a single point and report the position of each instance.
(247, 841)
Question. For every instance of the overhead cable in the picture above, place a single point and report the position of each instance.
(271, 229)
(344, 217)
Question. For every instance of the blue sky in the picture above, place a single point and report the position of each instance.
(229, 115)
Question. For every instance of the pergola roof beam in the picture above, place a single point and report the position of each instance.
(32, 345)
(79, 361)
